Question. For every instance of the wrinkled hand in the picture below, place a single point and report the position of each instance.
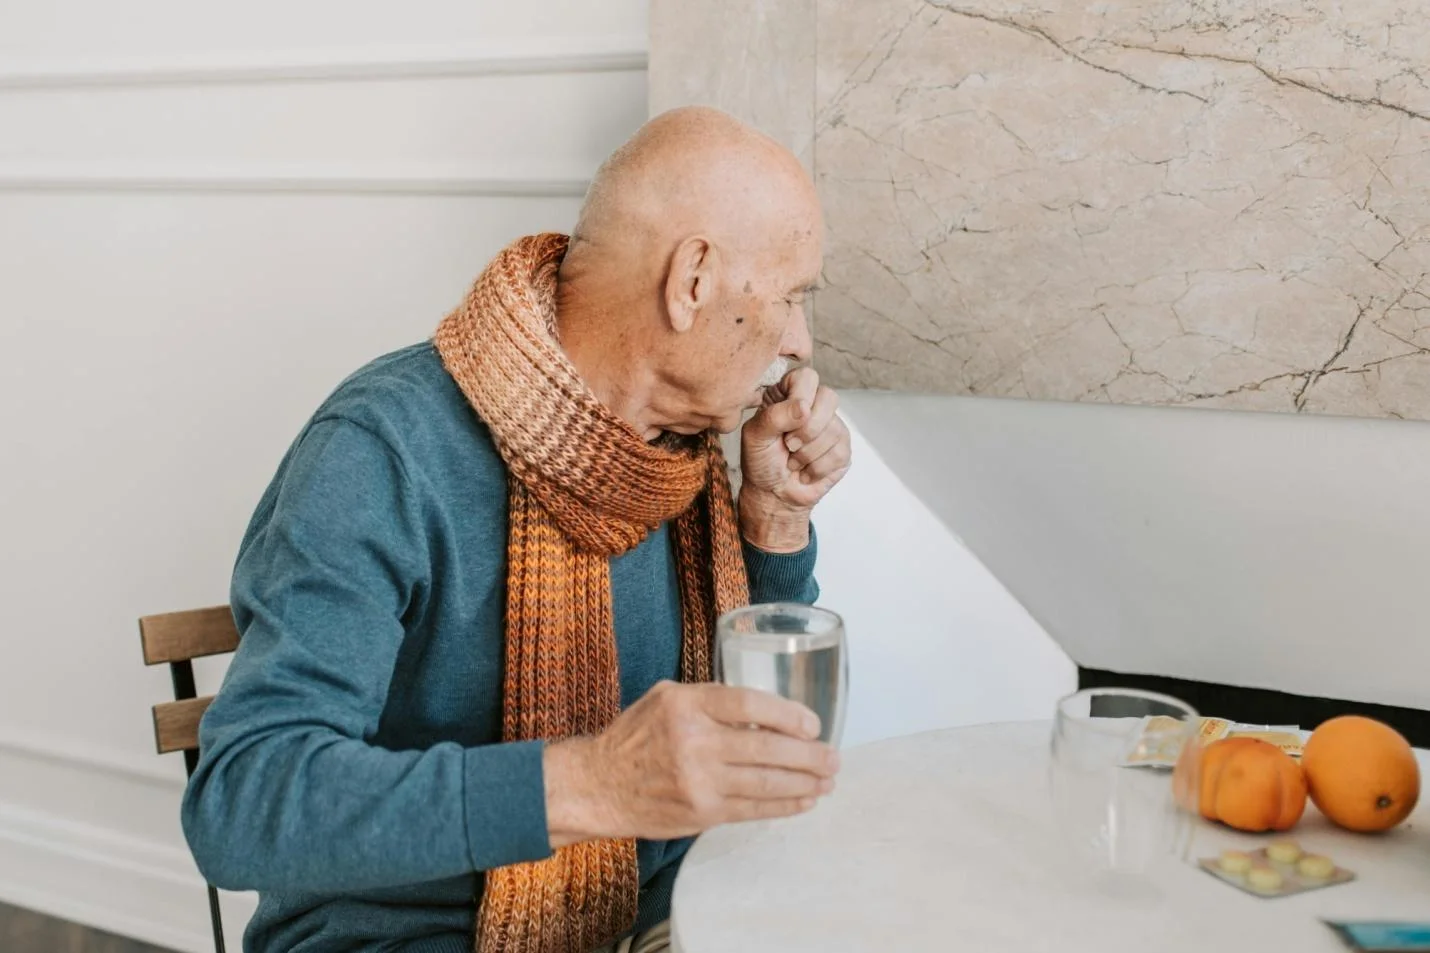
(792, 452)
(685, 759)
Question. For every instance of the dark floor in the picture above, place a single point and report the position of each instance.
(24, 931)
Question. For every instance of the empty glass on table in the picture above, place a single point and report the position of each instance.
(1123, 777)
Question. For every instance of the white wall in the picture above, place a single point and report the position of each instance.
(934, 639)
(209, 213)
(1266, 550)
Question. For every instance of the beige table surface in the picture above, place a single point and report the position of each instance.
(944, 841)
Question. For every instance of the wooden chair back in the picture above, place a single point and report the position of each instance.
(176, 639)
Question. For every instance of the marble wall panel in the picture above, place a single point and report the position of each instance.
(1217, 203)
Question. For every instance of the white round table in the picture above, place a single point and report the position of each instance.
(944, 841)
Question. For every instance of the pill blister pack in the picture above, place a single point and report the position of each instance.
(1277, 870)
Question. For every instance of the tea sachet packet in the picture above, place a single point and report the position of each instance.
(1156, 741)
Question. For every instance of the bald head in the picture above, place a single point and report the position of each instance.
(695, 169)
(689, 266)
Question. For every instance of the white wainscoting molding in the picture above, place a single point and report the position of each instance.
(107, 880)
(72, 753)
(357, 178)
(510, 57)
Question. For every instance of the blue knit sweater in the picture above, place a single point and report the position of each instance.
(352, 769)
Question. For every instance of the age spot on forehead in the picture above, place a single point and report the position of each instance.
(748, 288)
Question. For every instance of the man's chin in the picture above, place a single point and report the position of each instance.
(731, 422)
(690, 430)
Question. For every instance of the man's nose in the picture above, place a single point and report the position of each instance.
(797, 344)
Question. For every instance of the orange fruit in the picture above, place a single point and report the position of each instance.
(1362, 773)
(1251, 785)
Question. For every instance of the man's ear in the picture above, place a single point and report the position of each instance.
(690, 282)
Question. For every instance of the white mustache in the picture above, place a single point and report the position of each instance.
(776, 372)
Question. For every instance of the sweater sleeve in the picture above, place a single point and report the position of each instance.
(780, 577)
(290, 791)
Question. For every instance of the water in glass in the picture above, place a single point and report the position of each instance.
(795, 651)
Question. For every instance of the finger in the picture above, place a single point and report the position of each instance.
(826, 441)
(819, 487)
(766, 749)
(747, 706)
(833, 448)
(746, 809)
(787, 405)
(800, 384)
(821, 415)
(766, 784)
(832, 461)
(773, 421)
(808, 495)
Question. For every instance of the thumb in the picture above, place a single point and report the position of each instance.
(774, 421)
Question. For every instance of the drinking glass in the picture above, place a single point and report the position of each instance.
(793, 650)
(1115, 815)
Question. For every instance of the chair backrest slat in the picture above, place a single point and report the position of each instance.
(179, 636)
(176, 724)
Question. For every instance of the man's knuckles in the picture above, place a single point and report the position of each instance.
(826, 465)
(823, 420)
(820, 446)
(696, 791)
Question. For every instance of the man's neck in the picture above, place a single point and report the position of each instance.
(614, 377)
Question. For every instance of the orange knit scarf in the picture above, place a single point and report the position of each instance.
(584, 486)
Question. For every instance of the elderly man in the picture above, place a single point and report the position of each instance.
(472, 702)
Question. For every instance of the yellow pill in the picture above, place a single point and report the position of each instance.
(1235, 862)
(1265, 879)
(1316, 867)
(1284, 851)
